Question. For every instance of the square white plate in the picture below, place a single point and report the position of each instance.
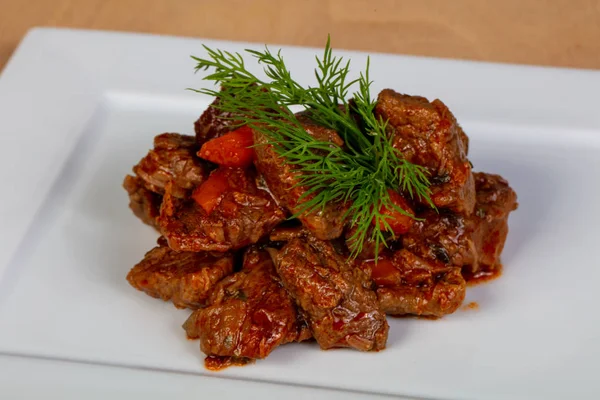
(79, 108)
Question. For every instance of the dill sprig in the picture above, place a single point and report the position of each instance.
(360, 173)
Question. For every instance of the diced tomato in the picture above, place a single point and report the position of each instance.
(230, 150)
(399, 222)
(383, 272)
(210, 192)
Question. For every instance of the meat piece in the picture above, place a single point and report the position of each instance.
(243, 216)
(332, 295)
(369, 246)
(182, 277)
(173, 159)
(495, 201)
(445, 237)
(474, 242)
(427, 134)
(248, 314)
(287, 231)
(213, 123)
(410, 285)
(144, 203)
(283, 179)
(317, 131)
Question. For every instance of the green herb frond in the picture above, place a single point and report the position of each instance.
(360, 173)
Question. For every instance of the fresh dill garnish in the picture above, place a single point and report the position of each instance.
(359, 173)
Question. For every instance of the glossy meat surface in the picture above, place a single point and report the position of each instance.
(474, 242)
(213, 123)
(332, 295)
(243, 216)
(427, 134)
(248, 314)
(282, 179)
(144, 203)
(410, 285)
(182, 277)
(495, 201)
(172, 160)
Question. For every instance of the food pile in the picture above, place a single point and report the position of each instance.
(279, 227)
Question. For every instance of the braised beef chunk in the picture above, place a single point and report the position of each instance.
(495, 201)
(248, 314)
(444, 237)
(182, 277)
(144, 203)
(284, 233)
(474, 242)
(282, 179)
(174, 160)
(213, 123)
(242, 217)
(317, 131)
(410, 285)
(332, 295)
(427, 134)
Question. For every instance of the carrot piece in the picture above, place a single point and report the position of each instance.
(210, 192)
(399, 222)
(230, 150)
(383, 272)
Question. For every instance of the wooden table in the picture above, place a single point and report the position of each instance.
(547, 32)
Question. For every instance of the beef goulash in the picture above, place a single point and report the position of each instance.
(279, 226)
(248, 314)
(184, 277)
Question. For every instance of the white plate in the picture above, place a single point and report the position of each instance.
(78, 109)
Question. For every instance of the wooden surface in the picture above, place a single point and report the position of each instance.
(545, 32)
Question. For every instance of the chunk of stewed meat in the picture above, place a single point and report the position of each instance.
(243, 215)
(474, 242)
(173, 159)
(427, 134)
(248, 314)
(332, 294)
(214, 123)
(144, 203)
(185, 278)
(283, 180)
(445, 237)
(409, 285)
(495, 201)
(317, 131)
(288, 231)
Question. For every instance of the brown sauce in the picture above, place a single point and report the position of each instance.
(470, 306)
(217, 363)
(482, 276)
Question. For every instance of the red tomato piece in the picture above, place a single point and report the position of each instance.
(210, 192)
(234, 149)
(383, 272)
(399, 222)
